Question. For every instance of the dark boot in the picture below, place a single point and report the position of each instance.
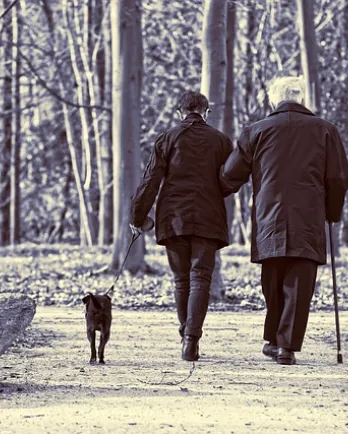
(190, 348)
(286, 357)
(270, 350)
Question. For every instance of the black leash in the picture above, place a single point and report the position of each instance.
(135, 236)
(334, 285)
(161, 382)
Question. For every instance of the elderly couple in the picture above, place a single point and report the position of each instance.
(300, 176)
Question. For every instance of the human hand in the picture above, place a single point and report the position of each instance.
(146, 226)
(136, 230)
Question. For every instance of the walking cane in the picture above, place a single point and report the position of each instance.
(146, 226)
(333, 267)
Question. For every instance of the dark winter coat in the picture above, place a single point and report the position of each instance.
(300, 175)
(188, 159)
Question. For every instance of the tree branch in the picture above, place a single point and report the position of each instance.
(9, 8)
(55, 93)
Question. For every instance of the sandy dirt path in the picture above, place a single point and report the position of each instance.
(49, 387)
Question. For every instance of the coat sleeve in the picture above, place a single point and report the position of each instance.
(227, 149)
(238, 166)
(147, 190)
(336, 176)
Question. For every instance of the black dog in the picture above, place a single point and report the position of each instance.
(98, 317)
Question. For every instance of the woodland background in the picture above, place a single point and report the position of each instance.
(87, 85)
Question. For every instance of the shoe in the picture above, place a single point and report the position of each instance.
(286, 357)
(270, 350)
(190, 348)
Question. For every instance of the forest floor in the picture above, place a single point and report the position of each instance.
(61, 275)
(47, 385)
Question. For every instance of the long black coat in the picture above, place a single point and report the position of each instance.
(188, 159)
(300, 176)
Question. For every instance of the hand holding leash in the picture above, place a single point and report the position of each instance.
(147, 225)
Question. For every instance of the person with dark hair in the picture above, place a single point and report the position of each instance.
(193, 102)
(300, 176)
(190, 213)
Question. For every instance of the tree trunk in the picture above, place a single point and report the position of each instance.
(213, 85)
(309, 62)
(5, 127)
(309, 55)
(57, 229)
(126, 97)
(86, 136)
(228, 127)
(214, 59)
(249, 82)
(16, 133)
(86, 224)
(105, 97)
(94, 97)
(245, 192)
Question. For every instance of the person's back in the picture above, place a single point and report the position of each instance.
(190, 201)
(300, 175)
(291, 150)
(190, 214)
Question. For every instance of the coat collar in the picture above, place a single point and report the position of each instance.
(193, 117)
(290, 106)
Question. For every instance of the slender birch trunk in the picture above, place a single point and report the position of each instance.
(106, 206)
(84, 212)
(228, 127)
(16, 133)
(93, 88)
(80, 97)
(5, 126)
(84, 204)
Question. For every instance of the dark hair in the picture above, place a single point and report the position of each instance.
(193, 101)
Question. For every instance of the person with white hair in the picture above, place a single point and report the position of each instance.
(287, 89)
(299, 173)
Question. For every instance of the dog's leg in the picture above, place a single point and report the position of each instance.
(104, 337)
(91, 338)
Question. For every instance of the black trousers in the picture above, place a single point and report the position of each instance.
(192, 260)
(288, 285)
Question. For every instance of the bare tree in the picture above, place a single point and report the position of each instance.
(84, 202)
(213, 85)
(104, 96)
(214, 59)
(126, 93)
(309, 62)
(309, 53)
(16, 132)
(5, 126)
(228, 126)
(249, 70)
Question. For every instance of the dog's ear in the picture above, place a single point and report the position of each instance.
(85, 299)
(108, 296)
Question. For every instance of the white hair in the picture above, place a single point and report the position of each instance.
(287, 89)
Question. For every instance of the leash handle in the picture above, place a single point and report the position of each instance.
(135, 236)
